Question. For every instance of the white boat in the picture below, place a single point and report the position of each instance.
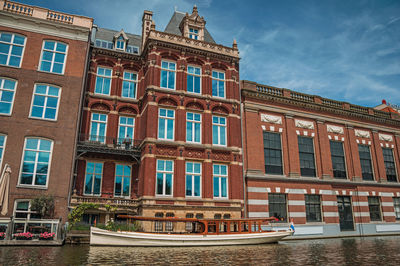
(211, 233)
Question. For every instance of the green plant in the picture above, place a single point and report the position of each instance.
(76, 214)
(44, 205)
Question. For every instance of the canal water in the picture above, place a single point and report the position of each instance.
(349, 251)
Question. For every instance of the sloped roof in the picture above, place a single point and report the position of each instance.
(108, 35)
(173, 27)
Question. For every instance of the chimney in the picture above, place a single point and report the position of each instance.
(146, 24)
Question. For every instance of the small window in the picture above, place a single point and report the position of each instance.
(53, 57)
(45, 102)
(338, 160)
(94, 173)
(129, 85)
(122, 180)
(11, 49)
(193, 179)
(193, 33)
(98, 127)
(120, 43)
(193, 127)
(313, 208)
(169, 226)
(7, 95)
(374, 209)
(166, 121)
(219, 130)
(36, 162)
(194, 79)
(168, 75)
(165, 174)
(132, 49)
(390, 166)
(277, 206)
(306, 155)
(365, 161)
(220, 180)
(104, 44)
(158, 225)
(218, 84)
(273, 153)
(396, 203)
(103, 81)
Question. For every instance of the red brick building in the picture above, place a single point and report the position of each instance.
(332, 167)
(160, 133)
(42, 68)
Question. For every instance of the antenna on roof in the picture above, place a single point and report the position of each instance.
(175, 8)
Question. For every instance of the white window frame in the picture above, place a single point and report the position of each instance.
(126, 125)
(90, 130)
(123, 41)
(12, 44)
(194, 33)
(45, 101)
(219, 131)
(104, 77)
(122, 183)
(166, 118)
(169, 71)
(192, 175)
(2, 152)
(101, 181)
(105, 42)
(35, 166)
(218, 80)
(134, 81)
(194, 75)
(193, 122)
(164, 172)
(53, 58)
(220, 176)
(14, 92)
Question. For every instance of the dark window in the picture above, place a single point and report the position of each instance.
(273, 153)
(158, 225)
(169, 226)
(227, 216)
(366, 163)
(306, 154)
(313, 208)
(338, 161)
(374, 209)
(277, 206)
(389, 165)
(217, 216)
(199, 216)
(396, 203)
(189, 225)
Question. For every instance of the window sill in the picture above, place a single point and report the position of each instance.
(32, 187)
(48, 72)
(15, 67)
(92, 195)
(5, 114)
(163, 196)
(42, 119)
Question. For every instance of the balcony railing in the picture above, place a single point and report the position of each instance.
(118, 202)
(110, 145)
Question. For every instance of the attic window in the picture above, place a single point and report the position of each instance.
(132, 49)
(193, 33)
(120, 43)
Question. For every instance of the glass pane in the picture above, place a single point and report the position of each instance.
(216, 187)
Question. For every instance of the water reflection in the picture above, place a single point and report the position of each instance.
(351, 251)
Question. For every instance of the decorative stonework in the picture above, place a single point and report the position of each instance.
(335, 129)
(385, 137)
(362, 133)
(304, 124)
(271, 119)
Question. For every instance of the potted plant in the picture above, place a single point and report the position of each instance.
(2, 235)
(24, 236)
(46, 236)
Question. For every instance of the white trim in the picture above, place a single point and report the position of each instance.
(329, 203)
(45, 101)
(193, 183)
(93, 178)
(193, 127)
(166, 118)
(326, 192)
(297, 214)
(297, 202)
(218, 79)
(386, 214)
(14, 92)
(387, 204)
(169, 71)
(127, 126)
(257, 202)
(164, 172)
(360, 203)
(295, 191)
(11, 46)
(103, 76)
(258, 214)
(127, 80)
(195, 75)
(220, 176)
(53, 58)
(361, 214)
(257, 189)
(219, 131)
(386, 194)
(122, 181)
(362, 193)
(330, 214)
(97, 130)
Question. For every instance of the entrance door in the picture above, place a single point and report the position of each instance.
(345, 213)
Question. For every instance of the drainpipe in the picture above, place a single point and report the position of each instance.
(243, 152)
(78, 121)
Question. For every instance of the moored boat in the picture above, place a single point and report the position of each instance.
(197, 232)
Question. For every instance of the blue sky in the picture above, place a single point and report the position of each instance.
(343, 50)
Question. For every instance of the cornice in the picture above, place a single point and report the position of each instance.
(115, 54)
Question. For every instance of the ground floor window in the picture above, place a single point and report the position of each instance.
(277, 206)
(396, 203)
(169, 226)
(313, 208)
(374, 209)
(158, 226)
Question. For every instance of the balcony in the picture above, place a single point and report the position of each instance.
(116, 202)
(108, 145)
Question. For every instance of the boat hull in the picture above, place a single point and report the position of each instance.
(102, 237)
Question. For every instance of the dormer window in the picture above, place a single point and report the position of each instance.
(193, 33)
(120, 43)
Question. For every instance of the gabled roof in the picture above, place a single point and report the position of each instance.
(173, 27)
(108, 35)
